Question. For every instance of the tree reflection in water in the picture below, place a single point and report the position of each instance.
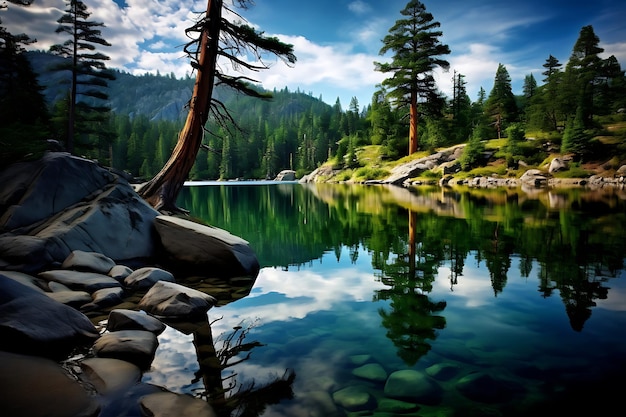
(412, 321)
(227, 395)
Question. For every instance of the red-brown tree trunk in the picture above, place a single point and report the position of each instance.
(162, 190)
(413, 124)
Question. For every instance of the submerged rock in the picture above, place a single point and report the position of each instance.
(371, 371)
(354, 398)
(169, 404)
(110, 375)
(413, 386)
(38, 387)
(479, 386)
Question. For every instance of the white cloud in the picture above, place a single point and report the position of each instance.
(359, 7)
(618, 49)
(328, 67)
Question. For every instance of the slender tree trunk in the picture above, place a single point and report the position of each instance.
(71, 117)
(413, 124)
(161, 192)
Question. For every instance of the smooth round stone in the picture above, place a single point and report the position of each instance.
(354, 398)
(31, 386)
(169, 404)
(372, 372)
(413, 386)
(110, 375)
(443, 371)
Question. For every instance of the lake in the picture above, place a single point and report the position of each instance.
(380, 300)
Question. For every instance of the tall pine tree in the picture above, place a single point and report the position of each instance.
(581, 75)
(500, 106)
(416, 53)
(89, 74)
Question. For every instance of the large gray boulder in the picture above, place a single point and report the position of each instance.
(80, 260)
(135, 346)
(123, 319)
(36, 190)
(175, 301)
(534, 177)
(33, 323)
(146, 277)
(61, 203)
(286, 175)
(205, 248)
(82, 281)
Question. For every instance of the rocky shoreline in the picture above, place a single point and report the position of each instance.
(447, 163)
(89, 275)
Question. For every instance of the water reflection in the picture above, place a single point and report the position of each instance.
(527, 287)
(212, 379)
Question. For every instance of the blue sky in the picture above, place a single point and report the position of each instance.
(337, 41)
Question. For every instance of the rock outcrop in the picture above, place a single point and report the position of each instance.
(201, 247)
(63, 203)
(32, 323)
(76, 241)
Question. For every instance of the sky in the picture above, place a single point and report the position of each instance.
(338, 41)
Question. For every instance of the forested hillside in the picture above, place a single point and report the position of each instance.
(574, 108)
(292, 130)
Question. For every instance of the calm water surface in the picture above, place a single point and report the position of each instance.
(385, 301)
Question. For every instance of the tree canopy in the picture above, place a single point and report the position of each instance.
(416, 52)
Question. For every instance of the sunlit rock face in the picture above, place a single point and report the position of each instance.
(61, 203)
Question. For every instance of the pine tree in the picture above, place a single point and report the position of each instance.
(500, 106)
(575, 138)
(582, 72)
(414, 42)
(89, 75)
(550, 114)
(552, 66)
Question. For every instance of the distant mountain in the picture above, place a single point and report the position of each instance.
(159, 97)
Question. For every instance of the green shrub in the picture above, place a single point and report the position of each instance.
(371, 173)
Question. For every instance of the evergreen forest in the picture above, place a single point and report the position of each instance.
(132, 122)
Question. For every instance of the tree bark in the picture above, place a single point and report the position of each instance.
(413, 124)
(162, 190)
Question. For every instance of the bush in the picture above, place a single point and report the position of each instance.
(371, 173)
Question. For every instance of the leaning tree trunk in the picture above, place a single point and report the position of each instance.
(162, 190)
(413, 124)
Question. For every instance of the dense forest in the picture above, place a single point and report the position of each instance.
(132, 124)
